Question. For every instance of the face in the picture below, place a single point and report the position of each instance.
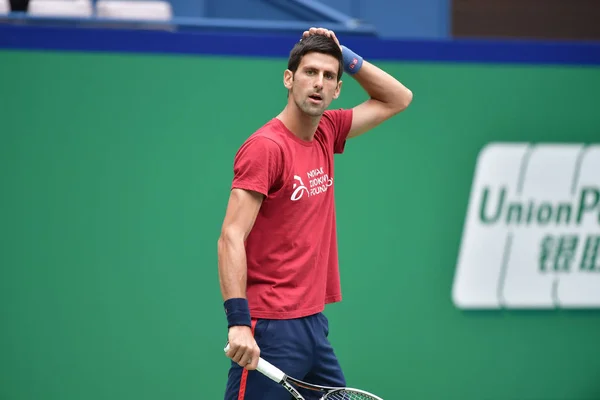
(315, 84)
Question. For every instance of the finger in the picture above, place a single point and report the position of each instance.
(238, 355)
(312, 31)
(255, 357)
(231, 350)
(253, 365)
(335, 38)
(246, 360)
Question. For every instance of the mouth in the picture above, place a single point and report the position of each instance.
(315, 98)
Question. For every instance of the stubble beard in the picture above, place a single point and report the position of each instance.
(313, 110)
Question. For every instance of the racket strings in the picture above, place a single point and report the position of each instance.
(348, 395)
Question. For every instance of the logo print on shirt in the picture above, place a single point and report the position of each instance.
(318, 181)
(297, 195)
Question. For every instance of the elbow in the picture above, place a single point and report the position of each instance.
(398, 102)
(220, 245)
(404, 99)
(229, 236)
(223, 245)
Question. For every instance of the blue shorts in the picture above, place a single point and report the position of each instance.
(299, 347)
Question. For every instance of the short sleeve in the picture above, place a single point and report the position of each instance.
(257, 166)
(340, 122)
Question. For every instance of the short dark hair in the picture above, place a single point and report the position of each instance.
(315, 44)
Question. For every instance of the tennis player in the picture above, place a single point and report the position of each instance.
(277, 252)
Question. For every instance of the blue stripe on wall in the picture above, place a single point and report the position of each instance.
(278, 45)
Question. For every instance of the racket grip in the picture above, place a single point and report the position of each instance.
(270, 371)
(267, 369)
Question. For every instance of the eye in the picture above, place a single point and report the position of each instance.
(329, 75)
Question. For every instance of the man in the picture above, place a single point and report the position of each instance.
(278, 261)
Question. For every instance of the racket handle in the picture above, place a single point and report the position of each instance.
(267, 369)
(270, 371)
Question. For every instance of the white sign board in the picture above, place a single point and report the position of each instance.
(531, 238)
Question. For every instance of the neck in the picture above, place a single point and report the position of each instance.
(299, 123)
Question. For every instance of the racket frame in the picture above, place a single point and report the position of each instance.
(280, 377)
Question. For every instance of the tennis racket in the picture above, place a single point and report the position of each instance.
(290, 383)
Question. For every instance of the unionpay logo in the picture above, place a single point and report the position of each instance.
(532, 232)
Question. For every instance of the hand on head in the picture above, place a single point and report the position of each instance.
(323, 32)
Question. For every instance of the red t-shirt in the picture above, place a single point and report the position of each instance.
(291, 252)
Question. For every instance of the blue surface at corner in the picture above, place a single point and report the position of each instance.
(278, 44)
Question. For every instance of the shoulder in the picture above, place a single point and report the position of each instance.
(260, 147)
(337, 117)
(261, 152)
(265, 138)
(335, 126)
(336, 122)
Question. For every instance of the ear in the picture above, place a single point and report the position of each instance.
(288, 79)
(338, 89)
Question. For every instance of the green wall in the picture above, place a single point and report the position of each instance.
(114, 174)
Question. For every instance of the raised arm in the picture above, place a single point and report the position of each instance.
(242, 209)
(387, 96)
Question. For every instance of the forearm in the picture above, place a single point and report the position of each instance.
(380, 85)
(383, 87)
(232, 266)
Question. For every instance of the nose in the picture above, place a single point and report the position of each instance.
(319, 82)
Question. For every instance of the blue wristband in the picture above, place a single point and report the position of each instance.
(238, 312)
(352, 61)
